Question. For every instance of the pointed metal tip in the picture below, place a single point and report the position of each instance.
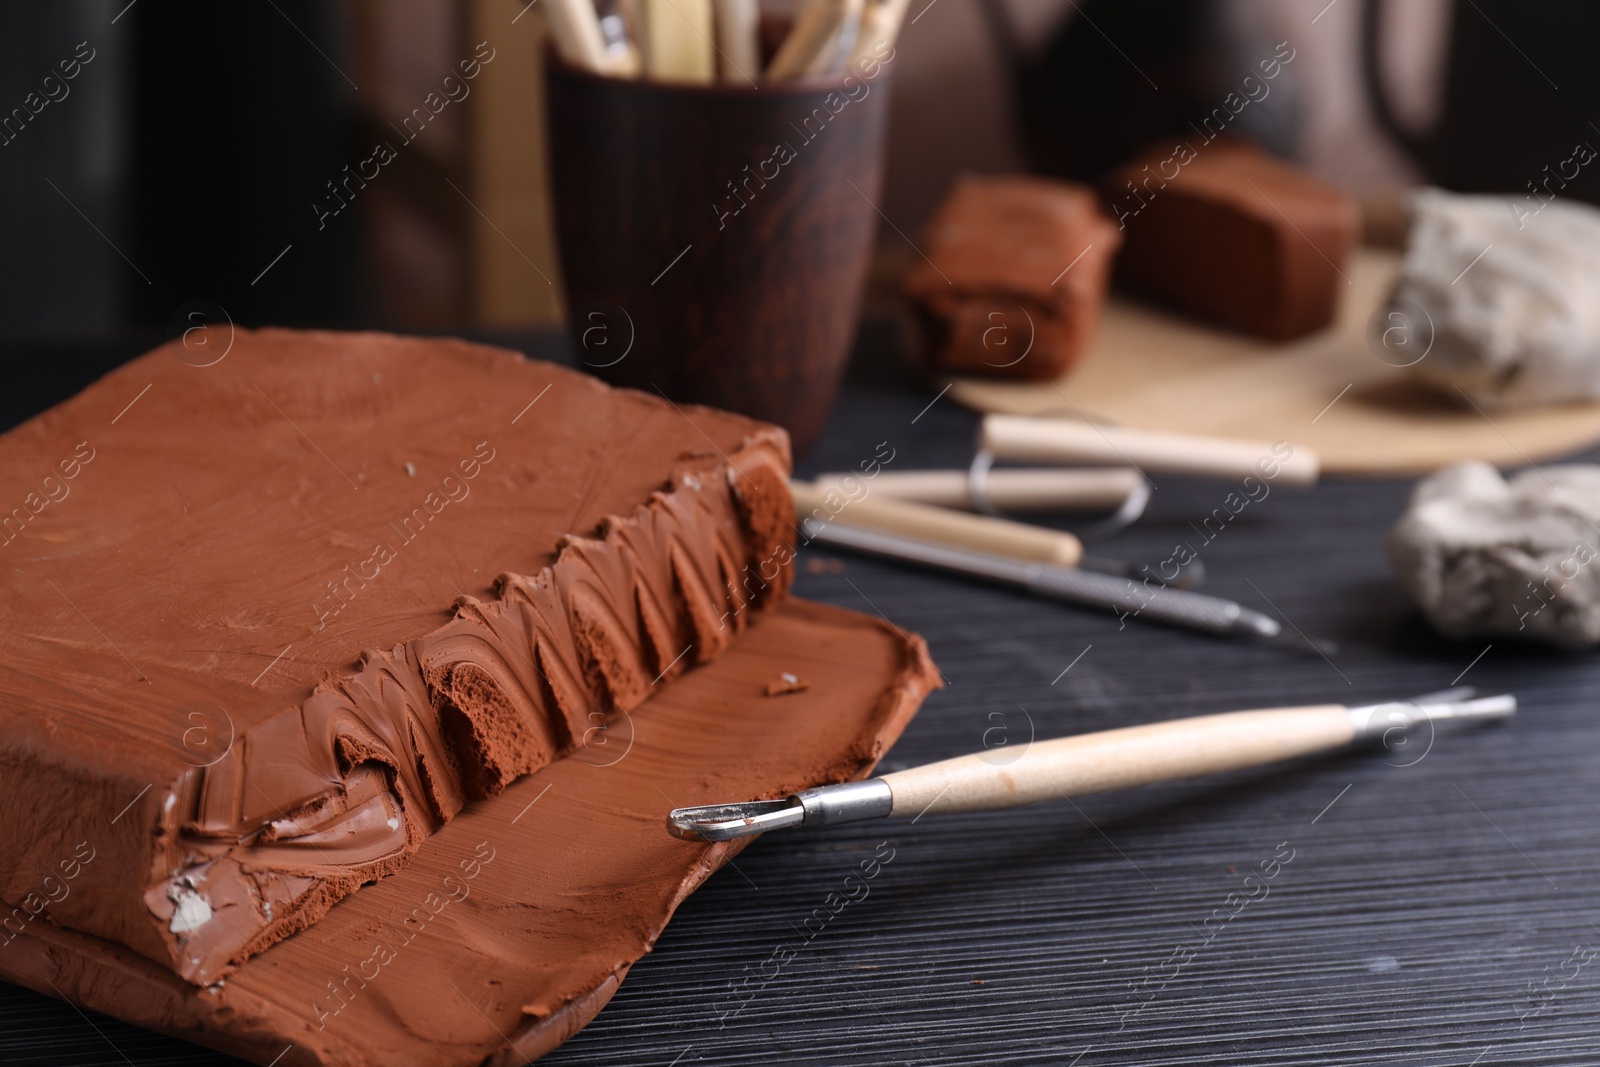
(1268, 630)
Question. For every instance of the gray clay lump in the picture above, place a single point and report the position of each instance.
(1484, 556)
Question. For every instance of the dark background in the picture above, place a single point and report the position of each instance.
(188, 152)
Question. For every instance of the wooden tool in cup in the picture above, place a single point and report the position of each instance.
(1094, 763)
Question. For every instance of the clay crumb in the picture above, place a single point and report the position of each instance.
(786, 683)
(192, 911)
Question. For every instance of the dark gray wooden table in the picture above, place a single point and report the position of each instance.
(1437, 905)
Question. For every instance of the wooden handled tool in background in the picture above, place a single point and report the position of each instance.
(677, 41)
(880, 24)
(1025, 489)
(619, 22)
(1053, 440)
(979, 533)
(576, 29)
(1011, 776)
(820, 42)
(695, 41)
(738, 41)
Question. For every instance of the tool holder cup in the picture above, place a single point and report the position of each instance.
(715, 239)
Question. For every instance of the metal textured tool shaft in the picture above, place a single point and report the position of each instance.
(1106, 592)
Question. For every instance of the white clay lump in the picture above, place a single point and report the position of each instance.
(1513, 296)
(1486, 557)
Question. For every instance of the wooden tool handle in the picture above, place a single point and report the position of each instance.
(809, 49)
(880, 24)
(1118, 759)
(1054, 489)
(1050, 440)
(677, 41)
(738, 41)
(576, 30)
(923, 522)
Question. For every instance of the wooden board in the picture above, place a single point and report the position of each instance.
(1147, 369)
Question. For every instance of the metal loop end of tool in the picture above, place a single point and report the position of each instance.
(821, 806)
(1128, 512)
(978, 483)
(724, 822)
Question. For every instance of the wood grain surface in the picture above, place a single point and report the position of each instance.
(1435, 906)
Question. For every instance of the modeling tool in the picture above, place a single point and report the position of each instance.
(1093, 763)
(833, 56)
(1151, 595)
(677, 41)
(622, 58)
(821, 39)
(577, 34)
(890, 513)
(632, 12)
(880, 25)
(1059, 440)
(738, 41)
(1019, 490)
(883, 513)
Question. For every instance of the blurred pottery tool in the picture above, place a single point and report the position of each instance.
(1061, 440)
(822, 38)
(835, 501)
(880, 25)
(1020, 541)
(1024, 490)
(633, 18)
(1093, 763)
(621, 55)
(738, 40)
(836, 53)
(677, 40)
(1105, 585)
(576, 30)
(981, 476)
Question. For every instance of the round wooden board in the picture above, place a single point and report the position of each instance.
(1150, 370)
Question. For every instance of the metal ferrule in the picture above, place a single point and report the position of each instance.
(1374, 722)
(827, 804)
